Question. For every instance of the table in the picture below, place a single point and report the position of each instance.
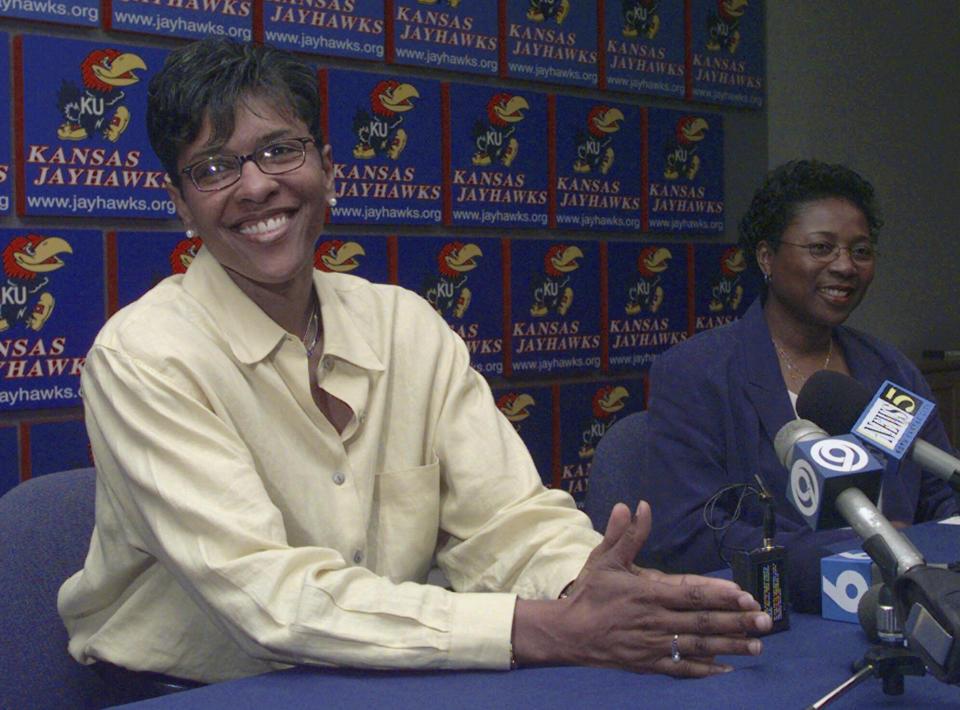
(797, 667)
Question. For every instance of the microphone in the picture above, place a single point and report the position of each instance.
(828, 477)
(890, 420)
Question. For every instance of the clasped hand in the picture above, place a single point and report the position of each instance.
(619, 615)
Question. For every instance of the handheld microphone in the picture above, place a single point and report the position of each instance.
(828, 477)
(890, 420)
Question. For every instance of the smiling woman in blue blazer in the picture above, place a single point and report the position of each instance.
(718, 400)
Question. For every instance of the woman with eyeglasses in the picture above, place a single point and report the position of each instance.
(718, 400)
(283, 454)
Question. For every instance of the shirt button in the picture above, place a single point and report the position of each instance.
(327, 363)
(339, 478)
(362, 416)
(358, 557)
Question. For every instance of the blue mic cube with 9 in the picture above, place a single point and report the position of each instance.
(822, 469)
(843, 580)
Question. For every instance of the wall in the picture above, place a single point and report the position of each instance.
(874, 85)
(745, 159)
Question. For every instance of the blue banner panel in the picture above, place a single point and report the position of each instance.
(10, 461)
(499, 150)
(387, 153)
(552, 40)
(58, 446)
(685, 172)
(361, 255)
(727, 52)
(463, 280)
(724, 285)
(599, 165)
(192, 19)
(448, 35)
(144, 259)
(645, 47)
(85, 13)
(530, 410)
(556, 316)
(648, 301)
(51, 307)
(6, 194)
(587, 411)
(338, 28)
(85, 151)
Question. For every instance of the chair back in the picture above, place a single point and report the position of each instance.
(45, 527)
(617, 466)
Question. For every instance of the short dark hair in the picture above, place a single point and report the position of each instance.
(774, 206)
(210, 78)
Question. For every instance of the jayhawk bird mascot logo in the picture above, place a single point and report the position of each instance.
(381, 132)
(515, 406)
(184, 253)
(640, 18)
(607, 401)
(97, 107)
(494, 140)
(646, 292)
(26, 262)
(337, 255)
(451, 3)
(540, 10)
(726, 291)
(551, 290)
(722, 32)
(680, 155)
(594, 151)
(447, 291)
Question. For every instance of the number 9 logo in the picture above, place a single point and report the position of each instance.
(804, 487)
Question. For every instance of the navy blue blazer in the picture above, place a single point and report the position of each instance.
(716, 404)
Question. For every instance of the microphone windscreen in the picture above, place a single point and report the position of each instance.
(832, 400)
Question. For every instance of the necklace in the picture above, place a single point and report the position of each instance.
(313, 324)
(795, 373)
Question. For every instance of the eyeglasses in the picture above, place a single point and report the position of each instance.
(220, 171)
(825, 252)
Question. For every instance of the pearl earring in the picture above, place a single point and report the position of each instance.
(332, 201)
(191, 234)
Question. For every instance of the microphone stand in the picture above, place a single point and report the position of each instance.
(890, 660)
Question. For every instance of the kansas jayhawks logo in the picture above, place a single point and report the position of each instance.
(594, 149)
(97, 106)
(607, 401)
(337, 255)
(540, 10)
(380, 131)
(646, 291)
(640, 18)
(451, 3)
(680, 155)
(447, 291)
(726, 291)
(551, 290)
(23, 296)
(184, 253)
(494, 140)
(515, 406)
(722, 32)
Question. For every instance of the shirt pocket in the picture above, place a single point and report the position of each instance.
(407, 521)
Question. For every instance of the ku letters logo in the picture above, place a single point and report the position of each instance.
(380, 131)
(447, 291)
(97, 106)
(680, 155)
(646, 291)
(552, 292)
(593, 146)
(27, 261)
